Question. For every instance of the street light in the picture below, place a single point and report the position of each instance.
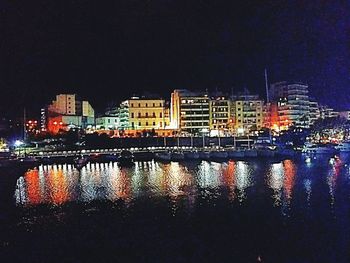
(17, 144)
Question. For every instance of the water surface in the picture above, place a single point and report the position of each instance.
(235, 211)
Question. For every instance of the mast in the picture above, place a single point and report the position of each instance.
(268, 104)
(24, 125)
(267, 88)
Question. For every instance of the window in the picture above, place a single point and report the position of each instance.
(146, 123)
(154, 115)
(154, 123)
(139, 114)
(154, 104)
(160, 115)
(132, 124)
(160, 104)
(139, 123)
(146, 105)
(146, 114)
(109, 120)
(132, 115)
(132, 104)
(139, 104)
(160, 124)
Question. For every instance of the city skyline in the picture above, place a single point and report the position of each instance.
(162, 46)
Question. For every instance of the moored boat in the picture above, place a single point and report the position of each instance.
(204, 155)
(126, 158)
(177, 156)
(163, 156)
(250, 153)
(266, 153)
(235, 153)
(343, 147)
(80, 162)
(192, 155)
(218, 154)
(320, 149)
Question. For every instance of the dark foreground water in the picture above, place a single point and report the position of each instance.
(236, 211)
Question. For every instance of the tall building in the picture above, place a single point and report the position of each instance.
(219, 119)
(247, 112)
(314, 111)
(147, 113)
(345, 114)
(66, 104)
(327, 112)
(67, 111)
(293, 103)
(190, 111)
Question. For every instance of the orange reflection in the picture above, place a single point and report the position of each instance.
(123, 185)
(289, 177)
(230, 178)
(33, 186)
(58, 186)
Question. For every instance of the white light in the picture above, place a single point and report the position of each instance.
(240, 130)
(18, 143)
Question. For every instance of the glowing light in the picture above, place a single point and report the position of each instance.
(18, 143)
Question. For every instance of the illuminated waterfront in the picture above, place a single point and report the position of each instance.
(279, 211)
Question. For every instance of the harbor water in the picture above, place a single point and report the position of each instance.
(232, 211)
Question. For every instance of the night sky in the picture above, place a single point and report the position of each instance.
(109, 51)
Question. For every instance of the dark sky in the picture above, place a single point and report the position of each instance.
(109, 51)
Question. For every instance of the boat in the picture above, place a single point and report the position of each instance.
(218, 154)
(266, 153)
(286, 152)
(144, 156)
(319, 149)
(192, 155)
(163, 156)
(235, 153)
(111, 157)
(343, 147)
(80, 162)
(264, 147)
(177, 156)
(204, 155)
(250, 153)
(126, 158)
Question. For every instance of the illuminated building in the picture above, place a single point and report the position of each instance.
(65, 112)
(107, 122)
(248, 112)
(345, 114)
(327, 112)
(314, 111)
(190, 111)
(293, 103)
(219, 118)
(147, 113)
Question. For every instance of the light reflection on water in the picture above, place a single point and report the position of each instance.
(59, 184)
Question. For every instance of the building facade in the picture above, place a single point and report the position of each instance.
(327, 112)
(107, 123)
(67, 111)
(314, 111)
(190, 111)
(147, 113)
(247, 111)
(220, 115)
(293, 103)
